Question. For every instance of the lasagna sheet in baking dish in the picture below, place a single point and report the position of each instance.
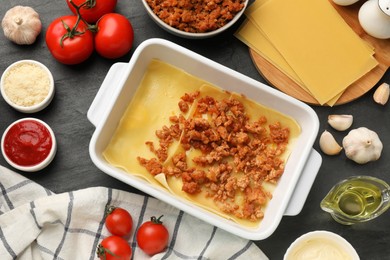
(229, 193)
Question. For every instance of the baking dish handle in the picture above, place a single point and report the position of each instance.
(304, 184)
(106, 92)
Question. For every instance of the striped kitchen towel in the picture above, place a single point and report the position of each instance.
(35, 223)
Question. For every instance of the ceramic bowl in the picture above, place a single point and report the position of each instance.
(20, 137)
(190, 35)
(321, 245)
(121, 83)
(34, 99)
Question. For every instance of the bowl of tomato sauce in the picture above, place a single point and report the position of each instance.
(28, 144)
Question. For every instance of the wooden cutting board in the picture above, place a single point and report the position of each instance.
(382, 53)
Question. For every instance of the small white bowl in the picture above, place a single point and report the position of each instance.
(315, 244)
(190, 35)
(17, 104)
(35, 166)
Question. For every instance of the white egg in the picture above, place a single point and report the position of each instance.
(345, 2)
(374, 21)
(384, 5)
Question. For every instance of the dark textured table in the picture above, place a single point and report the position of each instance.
(76, 87)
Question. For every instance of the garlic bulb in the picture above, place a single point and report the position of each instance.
(21, 24)
(328, 144)
(340, 122)
(362, 145)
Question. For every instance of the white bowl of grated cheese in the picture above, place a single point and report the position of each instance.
(27, 86)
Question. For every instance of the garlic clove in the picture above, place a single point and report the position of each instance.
(328, 144)
(340, 122)
(362, 145)
(382, 93)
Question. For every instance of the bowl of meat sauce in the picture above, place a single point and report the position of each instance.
(196, 19)
(28, 144)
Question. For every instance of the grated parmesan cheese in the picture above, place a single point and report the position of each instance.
(26, 84)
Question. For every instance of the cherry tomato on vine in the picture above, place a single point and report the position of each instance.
(67, 45)
(114, 36)
(152, 236)
(118, 221)
(114, 248)
(93, 9)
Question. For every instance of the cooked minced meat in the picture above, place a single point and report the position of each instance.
(229, 143)
(196, 16)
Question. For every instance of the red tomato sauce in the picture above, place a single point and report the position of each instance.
(27, 143)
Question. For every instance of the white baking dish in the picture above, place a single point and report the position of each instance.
(123, 79)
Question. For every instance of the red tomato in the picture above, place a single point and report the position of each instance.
(152, 236)
(118, 221)
(71, 49)
(114, 248)
(98, 9)
(114, 37)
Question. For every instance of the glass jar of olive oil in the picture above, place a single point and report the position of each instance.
(357, 199)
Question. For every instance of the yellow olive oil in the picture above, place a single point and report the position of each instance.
(356, 198)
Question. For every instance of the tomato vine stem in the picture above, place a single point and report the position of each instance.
(156, 220)
(73, 32)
